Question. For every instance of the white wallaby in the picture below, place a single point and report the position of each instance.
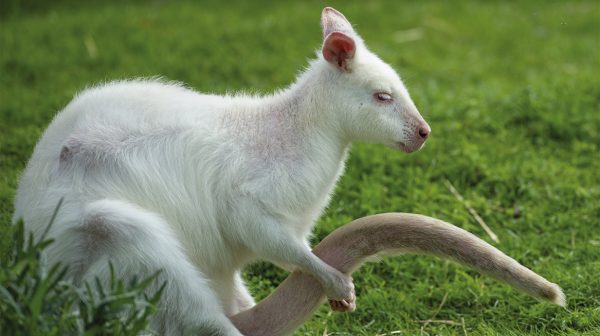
(158, 176)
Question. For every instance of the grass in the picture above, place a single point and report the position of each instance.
(511, 91)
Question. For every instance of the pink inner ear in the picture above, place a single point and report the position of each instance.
(338, 49)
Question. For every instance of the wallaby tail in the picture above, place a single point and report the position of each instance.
(349, 246)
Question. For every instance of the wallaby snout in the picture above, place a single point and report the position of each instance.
(416, 133)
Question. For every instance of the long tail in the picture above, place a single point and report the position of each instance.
(350, 245)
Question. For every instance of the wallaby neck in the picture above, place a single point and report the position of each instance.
(293, 140)
(305, 109)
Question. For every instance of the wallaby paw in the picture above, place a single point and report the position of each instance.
(342, 306)
(341, 289)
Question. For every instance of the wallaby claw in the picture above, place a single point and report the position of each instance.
(343, 305)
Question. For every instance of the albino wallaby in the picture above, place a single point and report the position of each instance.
(157, 176)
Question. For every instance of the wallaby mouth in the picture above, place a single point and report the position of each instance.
(408, 149)
(403, 147)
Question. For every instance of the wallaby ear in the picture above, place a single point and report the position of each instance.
(334, 21)
(339, 49)
(338, 46)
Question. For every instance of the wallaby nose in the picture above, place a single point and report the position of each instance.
(424, 131)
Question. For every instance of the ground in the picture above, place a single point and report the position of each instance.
(510, 89)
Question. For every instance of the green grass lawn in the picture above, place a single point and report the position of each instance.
(511, 91)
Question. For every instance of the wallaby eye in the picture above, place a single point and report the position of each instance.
(383, 97)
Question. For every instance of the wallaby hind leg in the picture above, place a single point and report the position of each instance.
(138, 243)
(234, 294)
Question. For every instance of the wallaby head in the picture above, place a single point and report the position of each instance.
(367, 93)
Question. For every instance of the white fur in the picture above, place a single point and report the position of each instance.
(158, 176)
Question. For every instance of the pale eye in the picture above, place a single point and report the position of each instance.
(383, 97)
